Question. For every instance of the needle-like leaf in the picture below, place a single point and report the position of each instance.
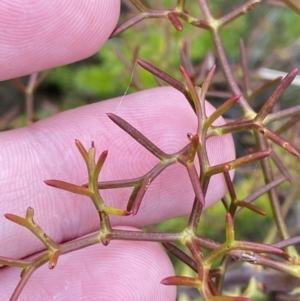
(69, 187)
(267, 107)
(138, 136)
(162, 75)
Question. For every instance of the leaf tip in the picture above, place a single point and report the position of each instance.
(8, 216)
(49, 182)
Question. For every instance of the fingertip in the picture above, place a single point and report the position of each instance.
(123, 270)
(42, 35)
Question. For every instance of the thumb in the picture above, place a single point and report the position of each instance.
(123, 270)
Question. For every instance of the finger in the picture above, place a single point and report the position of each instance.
(46, 150)
(122, 270)
(45, 34)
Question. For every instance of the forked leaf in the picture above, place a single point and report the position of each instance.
(133, 196)
(269, 104)
(140, 6)
(53, 259)
(175, 21)
(237, 163)
(91, 159)
(192, 149)
(19, 263)
(230, 186)
(100, 163)
(207, 82)
(138, 136)
(116, 211)
(229, 229)
(221, 110)
(191, 90)
(69, 187)
(168, 79)
(104, 238)
(181, 255)
(278, 140)
(228, 298)
(265, 87)
(194, 177)
(263, 190)
(17, 219)
(250, 207)
(288, 124)
(261, 248)
(182, 281)
(140, 194)
(82, 151)
(164, 76)
(30, 214)
(143, 185)
(244, 65)
(280, 165)
(197, 254)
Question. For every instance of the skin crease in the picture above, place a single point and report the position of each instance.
(44, 34)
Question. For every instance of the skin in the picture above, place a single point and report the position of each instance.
(40, 35)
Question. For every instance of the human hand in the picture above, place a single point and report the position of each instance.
(42, 35)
